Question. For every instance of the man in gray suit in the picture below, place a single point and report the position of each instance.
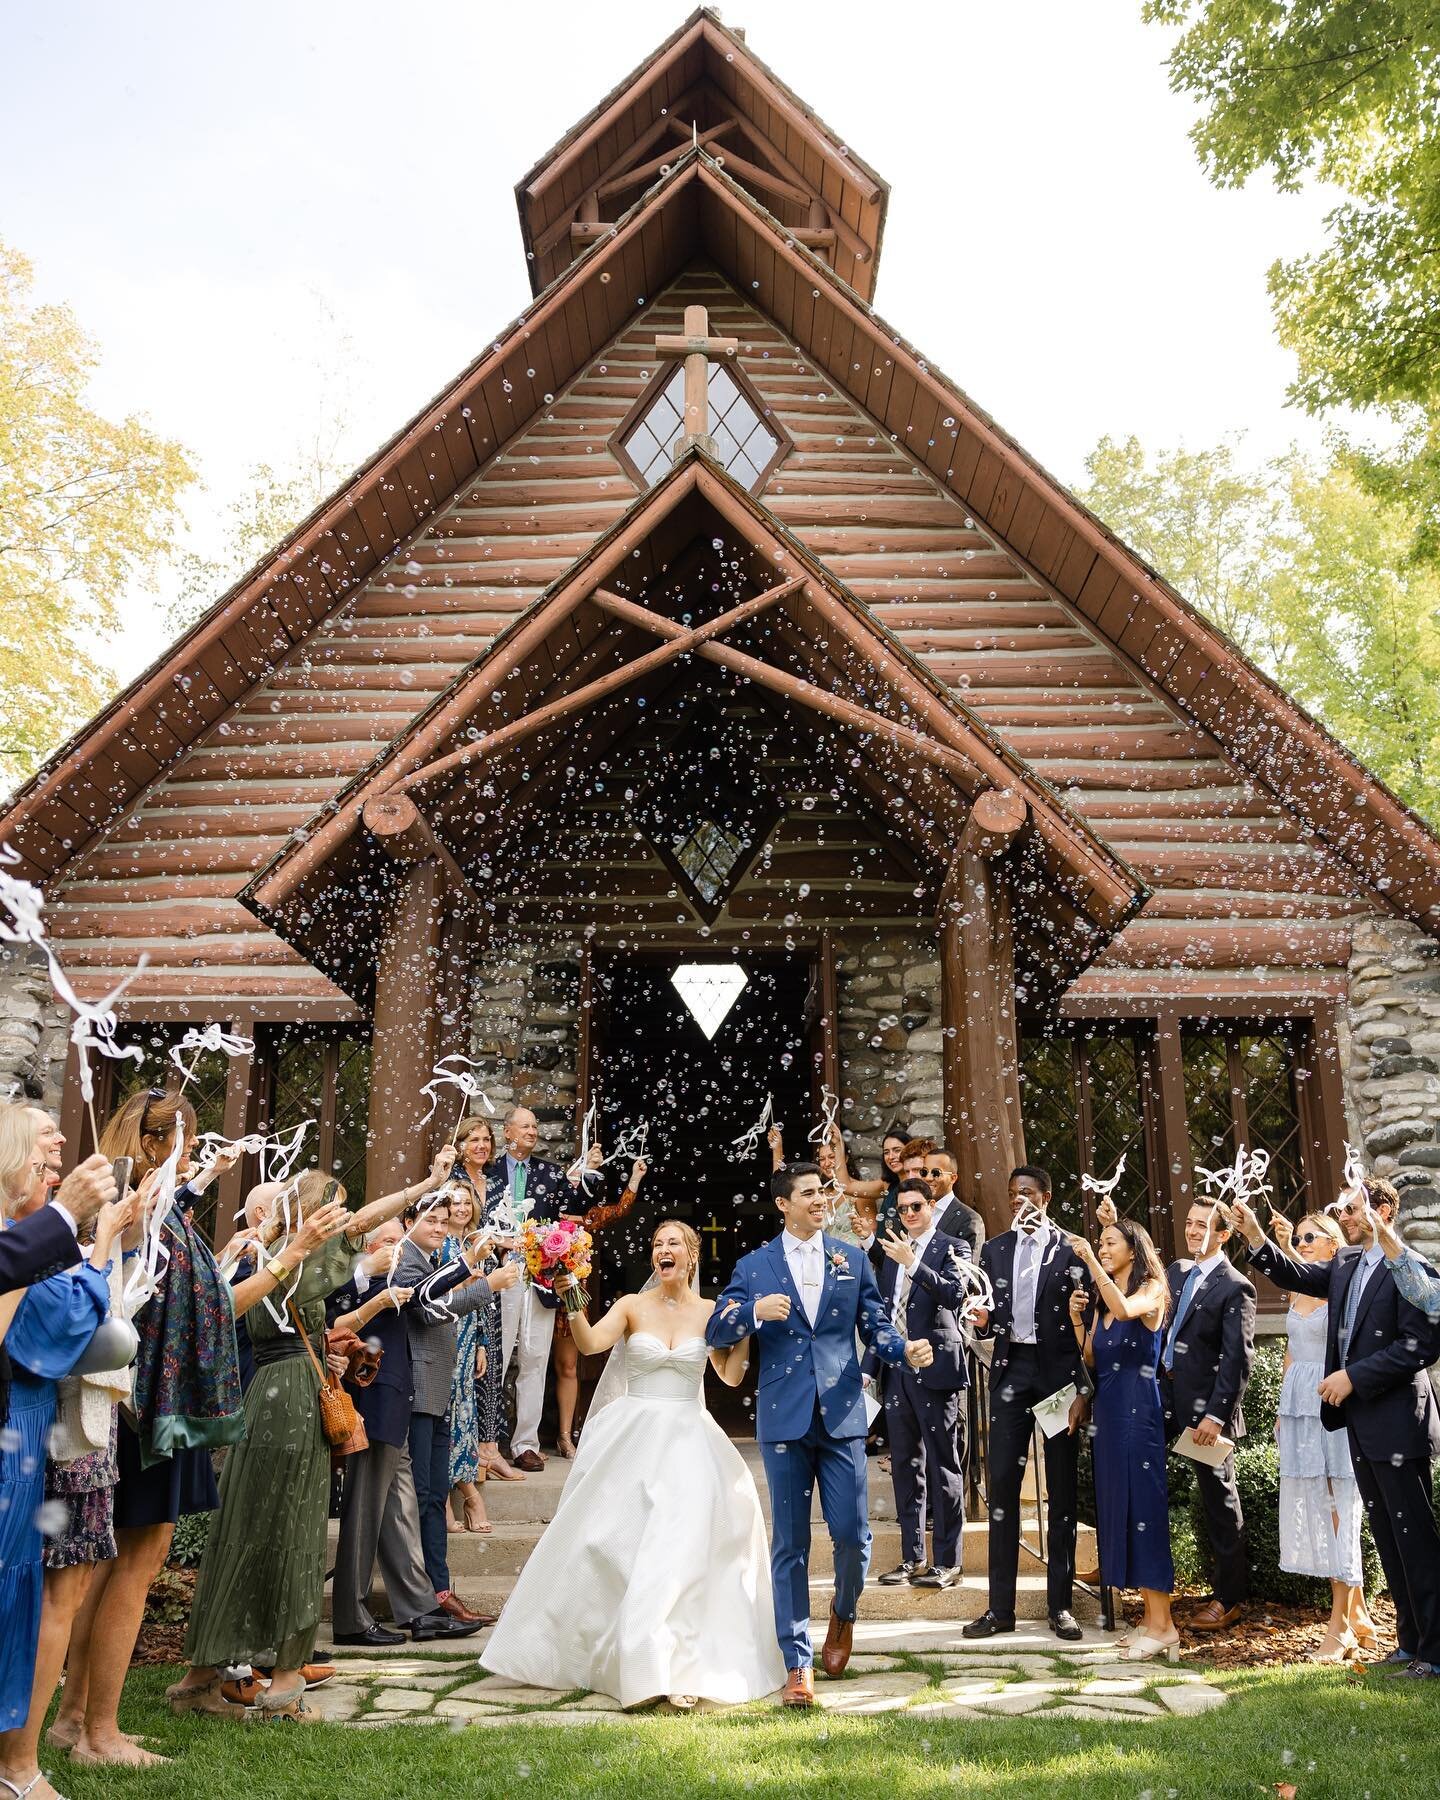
(432, 1336)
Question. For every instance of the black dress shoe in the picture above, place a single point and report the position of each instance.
(1064, 1626)
(905, 1575)
(940, 1577)
(987, 1625)
(439, 1624)
(373, 1637)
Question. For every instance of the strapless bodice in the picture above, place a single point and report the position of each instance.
(655, 1372)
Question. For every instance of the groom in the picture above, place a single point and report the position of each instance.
(803, 1297)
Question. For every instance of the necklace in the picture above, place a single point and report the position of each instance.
(668, 1300)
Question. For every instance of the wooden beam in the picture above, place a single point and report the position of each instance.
(508, 735)
(741, 168)
(407, 1008)
(851, 238)
(1174, 1133)
(408, 835)
(858, 718)
(666, 160)
(996, 819)
(239, 1079)
(979, 1055)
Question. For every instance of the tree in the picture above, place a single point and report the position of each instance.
(1348, 92)
(1304, 567)
(88, 508)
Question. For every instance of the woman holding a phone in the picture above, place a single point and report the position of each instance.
(262, 1578)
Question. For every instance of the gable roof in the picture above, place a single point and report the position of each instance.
(705, 74)
(852, 671)
(1046, 531)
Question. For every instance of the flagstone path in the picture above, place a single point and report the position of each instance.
(899, 1666)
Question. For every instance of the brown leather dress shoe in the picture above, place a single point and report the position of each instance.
(457, 1609)
(799, 1690)
(1212, 1616)
(530, 1461)
(839, 1642)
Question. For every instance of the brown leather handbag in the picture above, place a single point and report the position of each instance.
(339, 1420)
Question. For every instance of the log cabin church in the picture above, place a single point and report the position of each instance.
(702, 700)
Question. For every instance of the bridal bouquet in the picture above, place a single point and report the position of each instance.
(561, 1248)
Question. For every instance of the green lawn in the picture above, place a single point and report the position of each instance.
(1325, 1731)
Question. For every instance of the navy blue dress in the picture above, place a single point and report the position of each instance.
(1132, 1506)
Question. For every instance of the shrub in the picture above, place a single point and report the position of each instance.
(188, 1543)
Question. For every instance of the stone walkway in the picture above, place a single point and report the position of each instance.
(899, 1666)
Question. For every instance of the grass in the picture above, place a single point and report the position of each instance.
(1323, 1731)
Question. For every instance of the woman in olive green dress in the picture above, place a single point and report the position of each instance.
(261, 1584)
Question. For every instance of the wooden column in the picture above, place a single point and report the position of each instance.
(1175, 1160)
(406, 1030)
(228, 1194)
(980, 1054)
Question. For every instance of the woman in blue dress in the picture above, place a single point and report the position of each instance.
(1119, 1336)
(52, 1325)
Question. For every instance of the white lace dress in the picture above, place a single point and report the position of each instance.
(1319, 1502)
(653, 1578)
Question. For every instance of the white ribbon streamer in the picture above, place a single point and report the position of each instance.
(443, 1075)
(199, 1042)
(749, 1138)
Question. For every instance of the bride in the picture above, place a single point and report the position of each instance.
(653, 1579)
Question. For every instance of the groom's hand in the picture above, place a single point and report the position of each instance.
(919, 1354)
(772, 1306)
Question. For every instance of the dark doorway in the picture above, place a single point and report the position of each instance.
(653, 1062)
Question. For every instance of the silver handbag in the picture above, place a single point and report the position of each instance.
(113, 1346)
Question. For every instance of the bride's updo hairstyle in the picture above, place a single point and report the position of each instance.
(690, 1237)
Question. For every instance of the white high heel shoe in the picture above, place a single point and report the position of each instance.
(1146, 1649)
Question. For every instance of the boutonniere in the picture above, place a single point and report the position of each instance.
(839, 1266)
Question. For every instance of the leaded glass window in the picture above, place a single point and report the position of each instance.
(745, 443)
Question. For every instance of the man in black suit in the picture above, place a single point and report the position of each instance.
(1205, 1362)
(953, 1218)
(535, 1189)
(924, 1295)
(1032, 1270)
(1377, 1351)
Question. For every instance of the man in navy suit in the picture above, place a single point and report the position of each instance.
(924, 1295)
(535, 1189)
(1032, 1272)
(803, 1297)
(1378, 1349)
(43, 1244)
(1205, 1361)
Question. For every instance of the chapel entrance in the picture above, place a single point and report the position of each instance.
(654, 1062)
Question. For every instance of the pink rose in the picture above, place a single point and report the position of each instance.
(554, 1244)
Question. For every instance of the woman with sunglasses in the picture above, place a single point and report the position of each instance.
(1319, 1503)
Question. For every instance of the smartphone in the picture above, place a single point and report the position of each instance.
(332, 1188)
(122, 1169)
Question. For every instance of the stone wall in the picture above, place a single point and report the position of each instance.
(526, 1036)
(33, 1030)
(1391, 1064)
(890, 1034)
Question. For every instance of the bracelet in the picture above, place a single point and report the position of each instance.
(278, 1269)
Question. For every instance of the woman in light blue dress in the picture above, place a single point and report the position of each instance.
(1320, 1508)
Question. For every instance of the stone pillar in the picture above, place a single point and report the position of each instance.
(406, 1030)
(1391, 1055)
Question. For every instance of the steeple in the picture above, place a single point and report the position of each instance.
(703, 87)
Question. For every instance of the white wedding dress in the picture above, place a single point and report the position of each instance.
(653, 1578)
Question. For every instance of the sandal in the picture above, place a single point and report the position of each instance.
(1335, 1649)
(207, 1699)
(502, 1470)
(479, 1523)
(1366, 1639)
(289, 1703)
(19, 1792)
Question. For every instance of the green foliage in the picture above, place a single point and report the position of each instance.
(88, 506)
(1308, 571)
(188, 1544)
(1347, 93)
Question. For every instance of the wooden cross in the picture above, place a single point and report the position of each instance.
(697, 347)
(714, 1231)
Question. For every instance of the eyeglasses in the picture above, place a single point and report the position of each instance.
(909, 1206)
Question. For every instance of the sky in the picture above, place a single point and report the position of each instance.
(266, 212)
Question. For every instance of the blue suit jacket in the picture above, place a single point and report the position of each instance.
(800, 1363)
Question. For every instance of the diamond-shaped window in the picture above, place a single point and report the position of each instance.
(708, 854)
(709, 990)
(746, 443)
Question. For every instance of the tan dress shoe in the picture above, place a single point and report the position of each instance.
(799, 1690)
(1212, 1616)
(839, 1642)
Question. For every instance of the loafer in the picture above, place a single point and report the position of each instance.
(1214, 1616)
(439, 1624)
(1395, 1661)
(987, 1625)
(940, 1577)
(373, 1637)
(245, 1690)
(528, 1460)
(317, 1674)
(1065, 1625)
(1422, 1669)
(904, 1575)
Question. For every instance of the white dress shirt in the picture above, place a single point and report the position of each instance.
(805, 1259)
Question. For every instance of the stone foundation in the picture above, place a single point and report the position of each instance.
(526, 1037)
(890, 1036)
(34, 1029)
(1391, 1065)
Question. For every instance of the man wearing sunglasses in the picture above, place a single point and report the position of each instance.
(924, 1295)
(1378, 1349)
(953, 1218)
